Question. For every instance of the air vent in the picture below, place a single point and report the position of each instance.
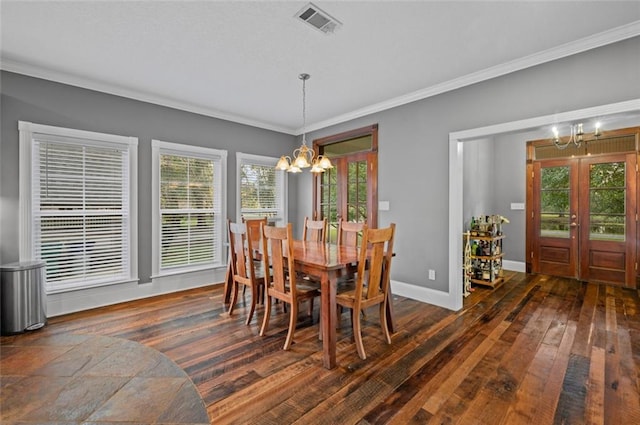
(318, 19)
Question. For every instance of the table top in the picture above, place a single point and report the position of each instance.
(324, 255)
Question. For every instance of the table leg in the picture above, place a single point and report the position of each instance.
(328, 305)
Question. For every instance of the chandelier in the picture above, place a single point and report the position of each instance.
(303, 157)
(576, 136)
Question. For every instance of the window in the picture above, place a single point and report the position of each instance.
(77, 205)
(261, 188)
(188, 199)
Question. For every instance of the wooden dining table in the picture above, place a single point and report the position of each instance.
(327, 263)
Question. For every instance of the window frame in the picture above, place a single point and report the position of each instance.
(28, 133)
(244, 158)
(159, 147)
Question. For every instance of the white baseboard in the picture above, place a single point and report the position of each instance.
(85, 299)
(516, 266)
(425, 295)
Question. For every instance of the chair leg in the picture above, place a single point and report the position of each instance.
(234, 297)
(357, 334)
(254, 294)
(293, 318)
(383, 322)
(267, 314)
(320, 325)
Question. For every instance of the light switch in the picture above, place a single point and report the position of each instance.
(517, 205)
(383, 205)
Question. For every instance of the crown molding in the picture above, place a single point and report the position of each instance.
(564, 50)
(587, 43)
(8, 64)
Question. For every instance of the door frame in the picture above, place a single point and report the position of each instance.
(372, 180)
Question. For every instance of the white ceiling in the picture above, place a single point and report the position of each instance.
(240, 60)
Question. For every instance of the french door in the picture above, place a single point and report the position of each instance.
(583, 218)
(348, 191)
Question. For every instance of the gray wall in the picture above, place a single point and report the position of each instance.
(413, 143)
(45, 102)
(414, 148)
(479, 176)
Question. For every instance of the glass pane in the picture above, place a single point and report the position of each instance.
(329, 202)
(200, 183)
(259, 194)
(348, 146)
(607, 201)
(357, 192)
(609, 174)
(555, 195)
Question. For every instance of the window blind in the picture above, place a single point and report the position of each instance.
(80, 211)
(190, 210)
(261, 189)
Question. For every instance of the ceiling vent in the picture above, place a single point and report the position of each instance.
(318, 19)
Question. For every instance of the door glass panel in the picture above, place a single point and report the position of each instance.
(607, 201)
(555, 194)
(357, 193)
(329, 201)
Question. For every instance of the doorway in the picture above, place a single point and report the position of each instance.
(348, 191)
(582, 205)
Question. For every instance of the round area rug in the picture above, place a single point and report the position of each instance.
(73, 378)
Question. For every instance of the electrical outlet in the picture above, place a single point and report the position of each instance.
(432, 274)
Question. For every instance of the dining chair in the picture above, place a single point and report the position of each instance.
(244, 270)
(254, 229)
(281, 279)
(350, 234)
(314, 230)
(372, 286)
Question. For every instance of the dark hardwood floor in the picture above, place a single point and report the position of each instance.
(535, 350)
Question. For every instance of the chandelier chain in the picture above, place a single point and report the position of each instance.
(304, 78)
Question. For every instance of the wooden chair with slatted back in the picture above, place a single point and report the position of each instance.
(243, 268)
(314, 230)
(372, 286)
(254, 232)
(350, 233)
(282, 281)
(254, 229)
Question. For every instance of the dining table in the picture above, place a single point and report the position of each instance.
(327, 263)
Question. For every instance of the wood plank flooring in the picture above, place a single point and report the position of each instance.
(535, 350)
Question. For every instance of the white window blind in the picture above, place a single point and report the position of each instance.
(190, 207)
(80, 210)
(261, 188)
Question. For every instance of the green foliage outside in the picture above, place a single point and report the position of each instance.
(606, 201)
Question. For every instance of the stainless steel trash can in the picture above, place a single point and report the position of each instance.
(22, 298)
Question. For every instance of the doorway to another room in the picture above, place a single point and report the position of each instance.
(582, 208)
